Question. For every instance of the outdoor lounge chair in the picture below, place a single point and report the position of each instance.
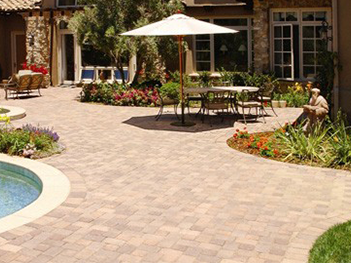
(21, 83)
(36, 83)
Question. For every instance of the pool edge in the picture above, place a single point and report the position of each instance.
(55, 190)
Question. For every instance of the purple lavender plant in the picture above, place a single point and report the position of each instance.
(41, 130)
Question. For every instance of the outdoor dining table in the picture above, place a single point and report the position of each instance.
(232, 89)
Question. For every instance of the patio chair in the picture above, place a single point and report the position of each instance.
(36, 83)
(216, 101)
(21, 83)
(118, 75)
(248, 101)
(167, 102)
(193, 98)
(266, 96)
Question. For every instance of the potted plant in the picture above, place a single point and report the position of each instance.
(169, 93)
(278, 101)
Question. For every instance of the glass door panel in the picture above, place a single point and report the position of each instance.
(283, 51)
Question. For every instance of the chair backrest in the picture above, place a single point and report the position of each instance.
(247, 95)
(24, 82)
(218, 99)
(118, 75)
(24, 72)
(37, 80)
(267, 89)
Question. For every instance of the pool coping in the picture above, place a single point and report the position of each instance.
(15, 113)
(55, 190)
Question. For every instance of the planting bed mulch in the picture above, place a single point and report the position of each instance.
(241, 144)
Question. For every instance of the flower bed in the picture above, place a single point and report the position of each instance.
(29, 141)
(119, 95)
(328, 145)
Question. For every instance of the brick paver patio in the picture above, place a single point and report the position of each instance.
(149, 192)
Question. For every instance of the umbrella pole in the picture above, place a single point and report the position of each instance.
(182, 101)
(180, 49)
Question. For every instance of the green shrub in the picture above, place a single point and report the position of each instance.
(205, 79)
(296, 143)
(340, 142)
(297, 96)
(170, 90)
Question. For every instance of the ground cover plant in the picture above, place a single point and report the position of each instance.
(327, 145)
(334, 246)
(28, 141)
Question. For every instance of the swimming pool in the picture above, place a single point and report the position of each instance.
(18, 188)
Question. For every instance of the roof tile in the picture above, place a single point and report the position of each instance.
(17, 5)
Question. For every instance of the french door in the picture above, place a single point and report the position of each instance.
(283, 51)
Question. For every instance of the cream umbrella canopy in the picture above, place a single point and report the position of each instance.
(179, 25)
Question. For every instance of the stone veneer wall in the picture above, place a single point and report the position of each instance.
(261, 26)
(39, 53)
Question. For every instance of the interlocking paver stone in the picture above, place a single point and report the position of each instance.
(145, 191)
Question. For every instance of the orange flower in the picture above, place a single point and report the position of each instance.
(276, 152)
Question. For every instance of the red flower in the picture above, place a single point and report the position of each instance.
(276, 152)
(235, 135)
(237, 130)
(266, 148)
(245, 128)
(249, 145)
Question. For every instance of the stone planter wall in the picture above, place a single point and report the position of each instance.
(261, 26)
(39, 53)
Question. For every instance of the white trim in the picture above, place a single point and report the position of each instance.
(61, 51)
(14, 34)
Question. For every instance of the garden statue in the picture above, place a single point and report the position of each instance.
(317, 109)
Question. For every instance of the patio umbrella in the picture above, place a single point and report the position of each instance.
(179, 25)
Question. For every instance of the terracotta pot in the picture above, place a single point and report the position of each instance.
(282, 103)
(275, 104)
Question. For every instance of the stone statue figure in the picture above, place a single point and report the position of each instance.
(317, 109)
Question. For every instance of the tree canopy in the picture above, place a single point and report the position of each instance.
(102, 22)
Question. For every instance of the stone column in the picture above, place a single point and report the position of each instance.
(38, 27)
(261, 36)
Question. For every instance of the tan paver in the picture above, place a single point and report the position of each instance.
(145, 191)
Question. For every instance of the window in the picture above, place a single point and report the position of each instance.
(63, 3)
(93, 57)
(296, 41)
(228, 51)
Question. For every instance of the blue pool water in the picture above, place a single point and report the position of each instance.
(18, 188)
